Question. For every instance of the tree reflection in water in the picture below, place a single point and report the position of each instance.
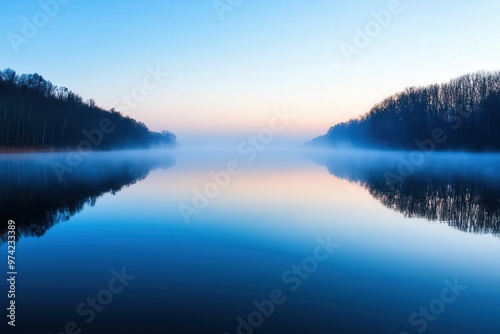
(34, 197)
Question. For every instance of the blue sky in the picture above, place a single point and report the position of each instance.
(227, 76)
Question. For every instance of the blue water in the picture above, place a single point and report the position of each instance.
(121, 212)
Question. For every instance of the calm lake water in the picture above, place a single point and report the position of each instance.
(288, 242)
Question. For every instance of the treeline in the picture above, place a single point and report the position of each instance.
(466, 109)
(36, 114)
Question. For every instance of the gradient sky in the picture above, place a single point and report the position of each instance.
(227, 76)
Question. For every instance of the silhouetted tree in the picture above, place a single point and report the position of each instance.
(466, 108)
(36, 114)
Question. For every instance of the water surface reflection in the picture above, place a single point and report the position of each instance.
(37, 197)
(462, 190)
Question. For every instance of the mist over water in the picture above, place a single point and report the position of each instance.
(255, 214)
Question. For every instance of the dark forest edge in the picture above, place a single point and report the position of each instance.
(461, 115)
(36, 115)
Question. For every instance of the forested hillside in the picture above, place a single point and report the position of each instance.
(466, 111)
(35, 114)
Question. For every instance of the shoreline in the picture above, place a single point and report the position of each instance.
(32, 150)
(20, 150)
